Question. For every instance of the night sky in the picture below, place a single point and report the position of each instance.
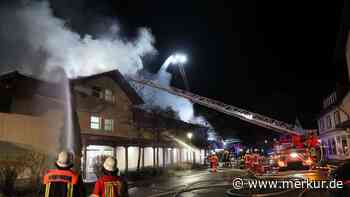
(276, 58)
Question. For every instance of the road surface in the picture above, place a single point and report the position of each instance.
(207, 184)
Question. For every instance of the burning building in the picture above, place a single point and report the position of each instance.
(103, 115)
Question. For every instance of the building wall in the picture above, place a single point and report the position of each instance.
(172, 157)
(347, 54)
(90, 103)
(324, 126)
(39, 133)
(35, 105)
(120, 111)
(335, 140)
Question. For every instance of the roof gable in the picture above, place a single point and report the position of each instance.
(120, 80)
(31, 84)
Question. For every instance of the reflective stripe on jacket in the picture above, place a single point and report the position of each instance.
(59, 182)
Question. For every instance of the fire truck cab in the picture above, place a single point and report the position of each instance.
(296, 152)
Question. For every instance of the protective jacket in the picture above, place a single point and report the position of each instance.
(62, 183)
(110, 186)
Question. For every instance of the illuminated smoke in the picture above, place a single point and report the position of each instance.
(182, 106)
(36, 42)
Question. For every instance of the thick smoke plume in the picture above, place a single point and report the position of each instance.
(39, 42)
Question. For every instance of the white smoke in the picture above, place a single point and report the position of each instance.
(78, 55)
(33, 27)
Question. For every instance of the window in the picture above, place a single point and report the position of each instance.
(339, 146)
(321, 124)
(329, 122)
(334, 147)
(329, 146)
(109, 124)
(95, 122)
(97, 92)
(344, 144)
(336, 118)
(109, 95)
(324, 147)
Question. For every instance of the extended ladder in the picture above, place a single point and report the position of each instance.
(242, 114)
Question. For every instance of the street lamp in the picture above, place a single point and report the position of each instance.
(189, 136)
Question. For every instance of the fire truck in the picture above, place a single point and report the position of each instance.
(294, 152)
(293, 149)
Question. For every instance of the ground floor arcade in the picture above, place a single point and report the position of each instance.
(131, 153)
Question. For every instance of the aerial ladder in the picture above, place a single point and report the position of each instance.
(251, 117)
(294, 131)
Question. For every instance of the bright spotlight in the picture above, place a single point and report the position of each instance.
(189, 135)
(179, 59)
(182, 59)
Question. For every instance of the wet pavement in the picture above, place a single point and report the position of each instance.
(207, 184)
(189, 180)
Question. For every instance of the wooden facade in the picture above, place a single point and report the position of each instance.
(105, 111)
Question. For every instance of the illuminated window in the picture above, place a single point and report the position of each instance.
(95, 122)
(109, 95)
(109, 123)
(336, 118)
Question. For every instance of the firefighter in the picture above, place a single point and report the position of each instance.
(63, 181)
(209, 159)
(110, 184)
(214, 160)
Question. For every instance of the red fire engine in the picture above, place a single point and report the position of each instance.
(296, 152)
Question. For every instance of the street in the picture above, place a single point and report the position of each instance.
(208, 184)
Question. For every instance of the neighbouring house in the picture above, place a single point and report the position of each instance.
(334, 118)
(31, 112)
(333, 126)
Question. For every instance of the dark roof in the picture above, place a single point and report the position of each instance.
(341, 92)
(146, 119)
(29, 83)
(120, 80)
(15, 74)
